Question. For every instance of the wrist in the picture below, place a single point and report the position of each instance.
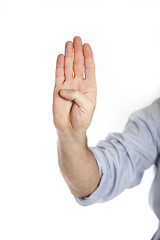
(72, 138)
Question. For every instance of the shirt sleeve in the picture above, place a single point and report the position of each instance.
(123, 157)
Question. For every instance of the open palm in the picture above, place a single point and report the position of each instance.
(73, 109)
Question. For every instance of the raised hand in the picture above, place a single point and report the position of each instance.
(74, 97)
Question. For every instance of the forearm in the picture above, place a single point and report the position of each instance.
(77, 164)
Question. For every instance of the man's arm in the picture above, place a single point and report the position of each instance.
(74, 101)
(77, 164)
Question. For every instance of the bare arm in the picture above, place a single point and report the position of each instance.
(77, 164)
(73, 110)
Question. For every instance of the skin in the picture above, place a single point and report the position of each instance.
(74, 102)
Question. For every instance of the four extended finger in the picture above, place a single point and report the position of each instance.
(78, 57)
(88, 62)
(59, 70)
(69, 60)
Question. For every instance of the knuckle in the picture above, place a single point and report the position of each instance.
(68, 67)
(75, 91)
(78, 64)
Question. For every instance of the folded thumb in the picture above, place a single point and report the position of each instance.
(79, 98)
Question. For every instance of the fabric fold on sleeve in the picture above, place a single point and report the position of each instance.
(123, 157)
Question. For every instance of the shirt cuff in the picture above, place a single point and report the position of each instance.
(95, 196)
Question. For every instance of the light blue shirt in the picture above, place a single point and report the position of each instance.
(123, 157)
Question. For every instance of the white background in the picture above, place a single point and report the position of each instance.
(35, 202)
